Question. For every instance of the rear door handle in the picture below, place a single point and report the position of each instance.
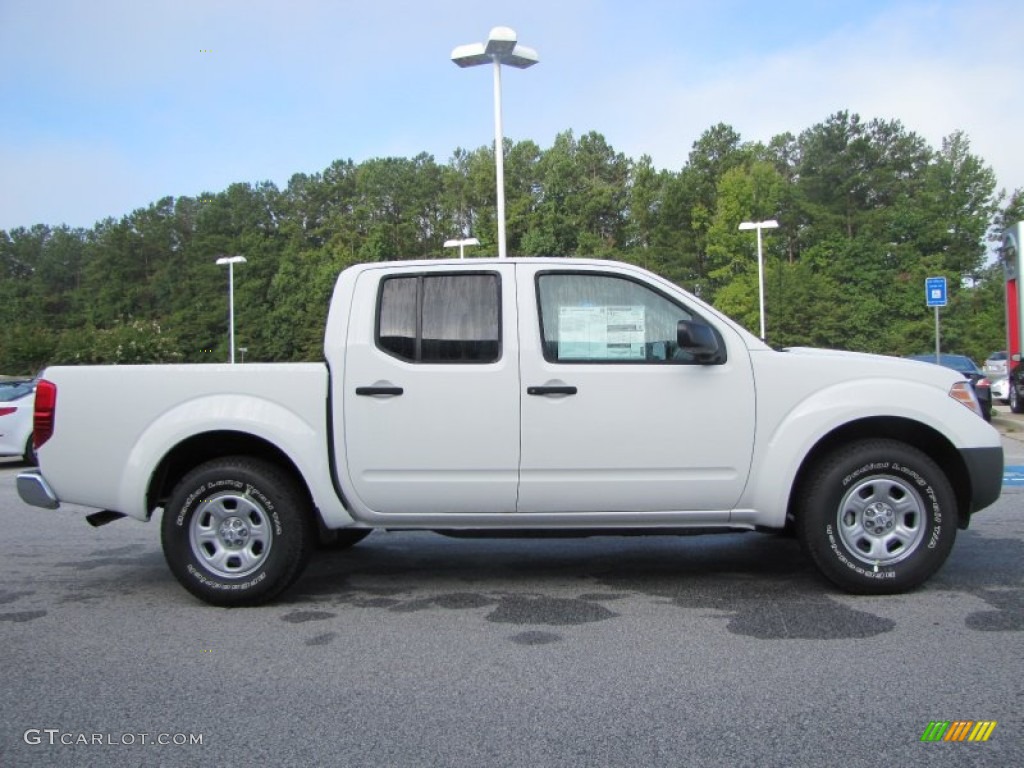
(552, 390)
(379, 391)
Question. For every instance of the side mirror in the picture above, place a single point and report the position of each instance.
(700, 340)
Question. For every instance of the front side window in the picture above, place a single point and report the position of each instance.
(440, 318)
(593, 318)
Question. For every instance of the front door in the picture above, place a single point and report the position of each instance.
(617, 418)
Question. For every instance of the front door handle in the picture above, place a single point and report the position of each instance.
(379, 391)
(559, 389)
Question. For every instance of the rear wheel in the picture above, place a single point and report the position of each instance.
(29, 456)
(878, 517)
(236, 531)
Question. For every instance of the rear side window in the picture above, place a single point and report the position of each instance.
(440, 318)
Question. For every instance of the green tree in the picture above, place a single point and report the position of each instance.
(745, 193)
(866, 209)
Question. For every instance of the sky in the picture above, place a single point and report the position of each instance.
(107, 106)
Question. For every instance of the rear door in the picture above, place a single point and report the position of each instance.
(616, 418)
(431, 390)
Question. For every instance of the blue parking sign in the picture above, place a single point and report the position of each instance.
(935, 291)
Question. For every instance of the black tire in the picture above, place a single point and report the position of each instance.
(344, 538)
(236, 531)
(1015, 402)
(878, 517)
(29, 456)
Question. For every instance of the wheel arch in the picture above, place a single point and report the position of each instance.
(926, 439)
(207, 446)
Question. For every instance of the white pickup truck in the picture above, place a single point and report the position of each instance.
(549, 396)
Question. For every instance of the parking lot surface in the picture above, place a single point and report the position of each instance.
(417, 650)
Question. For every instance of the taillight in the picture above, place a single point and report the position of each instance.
(46, 404)
(7, 411)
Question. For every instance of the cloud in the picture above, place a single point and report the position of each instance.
(936, 73)
(116, 104)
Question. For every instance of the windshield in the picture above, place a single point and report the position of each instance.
(14, 390)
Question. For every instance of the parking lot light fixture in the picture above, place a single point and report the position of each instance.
(461, 244)
(759, 225)
(502, 47)
(231, 261)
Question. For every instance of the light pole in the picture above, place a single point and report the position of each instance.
(501, 48)
(231, 261)
(461, 245)
(759, 225)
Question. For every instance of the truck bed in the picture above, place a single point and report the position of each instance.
(125, 417)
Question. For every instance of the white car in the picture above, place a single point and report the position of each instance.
(1001, 390)
(17, 401)
(995, 364)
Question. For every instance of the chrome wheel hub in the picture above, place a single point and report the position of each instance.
(233, 532)
(230, 534)
(881, 520)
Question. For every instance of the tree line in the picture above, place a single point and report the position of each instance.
(867, 210)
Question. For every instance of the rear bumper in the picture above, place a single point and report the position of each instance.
(985, 469)
(34, 490)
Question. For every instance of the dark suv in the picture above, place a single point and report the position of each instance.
(1016, 388)
(971, 372)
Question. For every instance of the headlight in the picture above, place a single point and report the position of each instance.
(963, 392)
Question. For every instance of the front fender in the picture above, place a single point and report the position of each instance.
(788, 437)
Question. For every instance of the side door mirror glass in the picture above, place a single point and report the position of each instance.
(700, 340)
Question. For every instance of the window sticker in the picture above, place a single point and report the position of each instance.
(601, 333)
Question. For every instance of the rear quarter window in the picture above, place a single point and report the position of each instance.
(433, 318)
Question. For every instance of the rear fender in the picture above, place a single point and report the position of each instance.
(294, 436)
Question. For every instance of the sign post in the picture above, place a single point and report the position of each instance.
(935, 296)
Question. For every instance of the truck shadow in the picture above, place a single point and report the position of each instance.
(763, 586)
(417, 561)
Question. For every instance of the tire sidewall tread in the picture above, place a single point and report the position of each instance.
(29, 457)
(830, 481)
(284, 506)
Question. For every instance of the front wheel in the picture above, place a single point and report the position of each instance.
(878, 517)
(236, 531)
(1015, 402)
